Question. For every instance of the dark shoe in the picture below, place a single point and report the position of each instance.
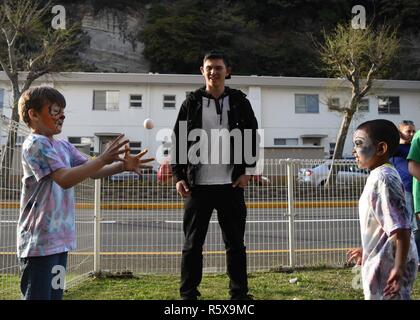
(189, 298)
(243, 297)
(191, 295)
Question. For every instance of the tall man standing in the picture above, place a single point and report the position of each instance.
(208, 184)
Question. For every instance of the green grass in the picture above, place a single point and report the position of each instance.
(312, 284)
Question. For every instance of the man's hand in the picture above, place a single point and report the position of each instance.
(182, 189)
(242, 181)
(355, 255)
(135, 163)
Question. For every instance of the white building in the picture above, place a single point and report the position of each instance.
(292, 111)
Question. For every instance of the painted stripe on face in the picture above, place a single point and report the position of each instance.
(363, 146)
(53, 117)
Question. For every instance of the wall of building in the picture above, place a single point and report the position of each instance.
(274, 106)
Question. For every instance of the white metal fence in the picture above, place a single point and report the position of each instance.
(294, 219)
(129, 223)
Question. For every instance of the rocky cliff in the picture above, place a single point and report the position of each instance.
(112, 39)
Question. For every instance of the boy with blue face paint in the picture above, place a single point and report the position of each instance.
(388, 255)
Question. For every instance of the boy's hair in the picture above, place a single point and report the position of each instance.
(37, 97)
(381, 130)
(214, 54)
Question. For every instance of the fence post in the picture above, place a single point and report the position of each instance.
(97, 228)
(290, 212)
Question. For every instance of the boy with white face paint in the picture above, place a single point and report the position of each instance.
(388, 255)
(46, 228)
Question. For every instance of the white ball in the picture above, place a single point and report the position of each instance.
(148, 123)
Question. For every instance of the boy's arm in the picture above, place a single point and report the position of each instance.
(402, 245)
(130, 163)
(69, 177)
(108, 170)
(414, 157)
(414, 169)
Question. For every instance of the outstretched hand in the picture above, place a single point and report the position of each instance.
(113, 150)
(135, 163)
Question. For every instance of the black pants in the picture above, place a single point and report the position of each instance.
(231, 213)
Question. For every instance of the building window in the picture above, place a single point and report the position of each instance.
(334, 102)
(306, 103)
(106, 100)
(136, 101)
(75, 140)
(332, 148)
(363, 105)
(83, 141)
(388, 105)
(169, 101)
(286, 141)
(135, 147)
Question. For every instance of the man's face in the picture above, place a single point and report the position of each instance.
(407, 133)
(52, 118)
(364, 149)
(215, 72)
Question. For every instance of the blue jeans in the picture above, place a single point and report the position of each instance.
(39, 281)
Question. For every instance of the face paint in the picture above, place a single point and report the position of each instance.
(53, 117)
(364, 149)
(56, 110)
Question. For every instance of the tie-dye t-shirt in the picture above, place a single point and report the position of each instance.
(382, 212)
(46, 223)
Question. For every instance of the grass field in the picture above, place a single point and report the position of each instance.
(312, 284)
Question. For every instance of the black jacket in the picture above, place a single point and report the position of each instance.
(240, 116)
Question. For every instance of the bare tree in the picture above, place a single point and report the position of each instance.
(359, 56)
(29, 49)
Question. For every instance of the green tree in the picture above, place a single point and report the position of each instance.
(177, 35)
(29, 49)
(359, 56)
